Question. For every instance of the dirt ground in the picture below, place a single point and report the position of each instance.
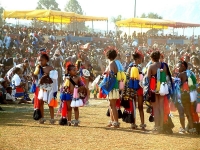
(18, 131)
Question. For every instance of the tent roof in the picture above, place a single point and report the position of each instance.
(50, 16)
(153, 23)
(184, 25)
(144, 23)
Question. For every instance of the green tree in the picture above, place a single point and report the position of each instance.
(1, 19)
(74, 6)
(48, 4)
(115, 19)
(151, 15)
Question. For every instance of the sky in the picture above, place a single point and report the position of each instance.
(110, 8)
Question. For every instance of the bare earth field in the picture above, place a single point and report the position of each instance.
(18, 131)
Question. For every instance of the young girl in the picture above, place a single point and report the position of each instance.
(71, 83)
(139, 91)
(157, 72)
(112, 90)
(47, 82)
(183, 97)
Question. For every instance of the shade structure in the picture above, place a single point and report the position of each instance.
(50, 16)
(185, 25)
(145, 23)
(154, 23)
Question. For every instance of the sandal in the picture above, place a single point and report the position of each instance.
(41, 121)
(75, 122)
(134, 126)
(52, 121)
(115, 125)
(143, 126)
(69, 123)
(109, 124)
(155, 130)
(192, 131)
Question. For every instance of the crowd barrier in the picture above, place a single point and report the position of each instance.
(96, 39)
(166, 41)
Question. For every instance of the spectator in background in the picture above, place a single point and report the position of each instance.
(7, 62)
(7, 40)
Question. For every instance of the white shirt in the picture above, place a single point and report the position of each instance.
(16, 80)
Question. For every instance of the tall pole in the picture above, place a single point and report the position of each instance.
(135, 10)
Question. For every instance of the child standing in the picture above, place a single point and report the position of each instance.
(184, 100)
(47, 82)
(69, 94)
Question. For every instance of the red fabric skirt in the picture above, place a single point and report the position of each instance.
(36, 100)
(140, 91)
(19, 92)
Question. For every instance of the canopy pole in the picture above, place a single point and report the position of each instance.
(76, 25)
(107, 26)
(173, 30)
(129, 30)
(183, 31)
(34, 23)
(92, 26)
(141, 28)
(135, 10)
(49, 22)
(53, 22)
(163, 30)
(61, 23)
(193, 32)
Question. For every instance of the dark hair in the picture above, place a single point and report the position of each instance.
(155, 56)
(16, 70)
(111, 54)
(184, 63)
(136, 56)
(45, 56)
(69, 68)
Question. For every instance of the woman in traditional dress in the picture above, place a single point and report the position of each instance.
(112, 88)
(156, 74)
(134, 68)
(46, 79)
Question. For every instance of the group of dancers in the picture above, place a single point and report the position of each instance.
(153, 85)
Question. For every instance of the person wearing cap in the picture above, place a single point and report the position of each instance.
(128, 61)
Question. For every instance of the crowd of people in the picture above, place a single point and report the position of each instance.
(124, 72)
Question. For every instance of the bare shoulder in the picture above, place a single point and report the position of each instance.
(50, 68)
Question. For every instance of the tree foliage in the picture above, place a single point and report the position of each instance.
(48, 4)
(115, 19)
(151, 15)
(74, 6)
(1, 19)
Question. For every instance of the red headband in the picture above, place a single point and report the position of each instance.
(140, 53)
(110, 48)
